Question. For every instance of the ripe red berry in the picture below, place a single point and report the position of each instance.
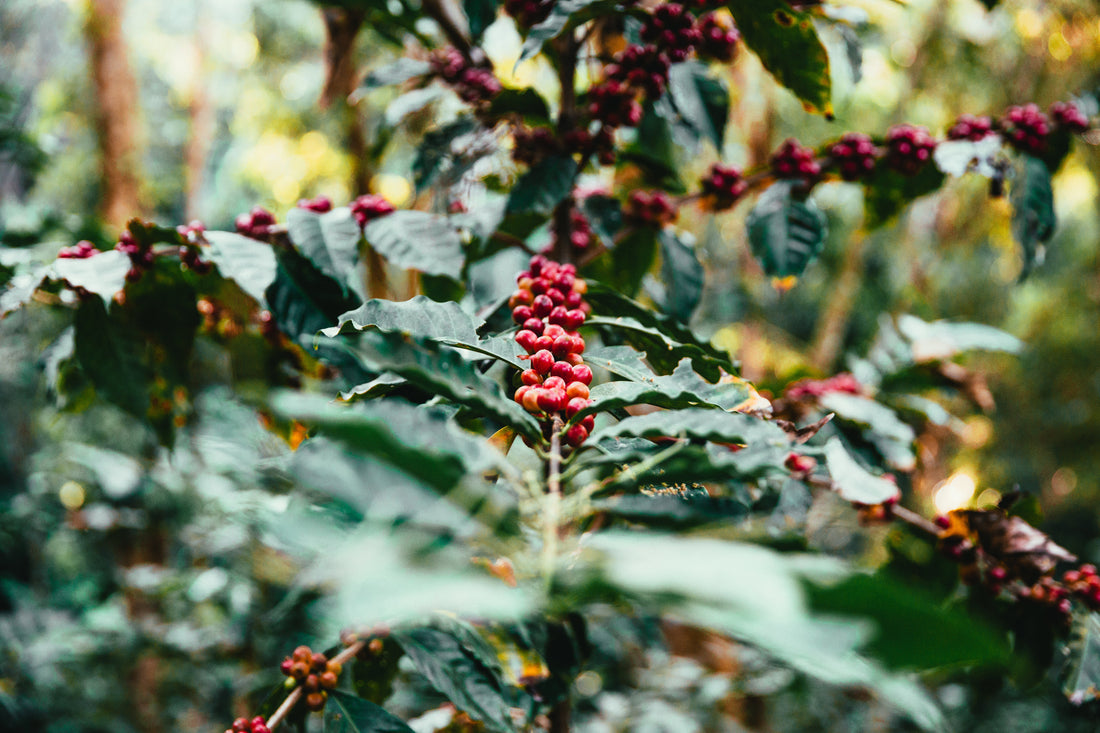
(572, 299)
(563, 370)
(544, 343)
(534, 325)
(641, 68)
(554, 383)
(798, 463)
(563, 345)
(1025, 128)
(285, 666)
(588, 422)
(672, 29)
(542, 305)
(556, 296)
(242, 725)
(530, 377)
(557, 316)
(578, 344)
(369, 207)
(551, 400)
(718, 38)
(328, 680)
(908, 148)
(998, 573)
(553, 331)
(531, 399)
(521, 313)
(315, 701)
(724, 186)
(311, 683)
(542, 361)
(649, 208)
(582, 373)
(794, 161)
(540, 285)
(575, 405)
(526, 340)
(576, 434)
(573, 319)
(614, 104)
(969, 127)
(521, 391)
(1068, 116)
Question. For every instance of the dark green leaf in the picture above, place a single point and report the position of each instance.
(852, 481)
(682, 274)
(954, 638)
(605, 215)
(480, 14)
(465, 680)
(346, 713)
(526, 102)
(887, 191)
(372, 677)
(416, 240)
(441, 370)
(663, 351)
(245, 261)
(396, 73)
(626, 265)
(1033, 218)
(788, 46)
(112, 354)
(103, 274)
(565, 13)
(654, 150)
(673, 511)
(436, 154)
(702, 100)
(303, 299)
(542, 187)
(785, 234)
(622, 360)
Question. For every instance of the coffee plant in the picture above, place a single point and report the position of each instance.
(496, 504)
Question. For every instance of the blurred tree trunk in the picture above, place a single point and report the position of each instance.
(115, 100)
(201, 114)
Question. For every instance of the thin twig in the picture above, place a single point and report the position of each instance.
(292, 699)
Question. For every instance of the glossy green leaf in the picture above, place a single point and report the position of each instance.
(103, 274)
(696, 423)
(654, 149)
(346, 713)
(605, 216)
(663, 351)
(329, 240)
(853, 482)
(112, 354)
(303, 299)
(480, 14)
(416, 240)
(397, 72)
(673, 511)
(1033, 218)
(542, 187)
(786, 42)
(701, 99)
(682, 275)
(437, 157)
(624, 361)
(566, 13)
(419, 316)
(473, 687)
(884, 429)
(785, 234)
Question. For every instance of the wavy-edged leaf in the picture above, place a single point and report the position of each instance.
(441, 155)
(624, 361)
(302, 298)
(103, 274)
(663, 351)
(702, 100)
(785, 234)
(346, 713)
(329, 240)
(250, 264)
(853, 482)
(543, 186)
(416, 240)
(683, 388)
(464, 679)
(441, 370)
(884, 429)
(419, 316)
(604, 214)
(786, 42)
(696, 423)
(1033, 218)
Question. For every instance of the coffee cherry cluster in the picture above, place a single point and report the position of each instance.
(314, 672)
(473, 84)
(909, 148)
(854, 155)
(193, 237)
(319, 205)
(672, 29)
(1026, 128)
(723, 186)
(1069, 117)
(970, 127)
(615, 104)
(528, 13)
(79, 251)
(794, 161)
(549, 307)
(649, 209)
(1084, 584)
(641, 68)
(140, 253)
(369, 207)
(813, 388)
(1049, 596)
(244, 725)
(257, 224)
(532, 144)
(718, 38)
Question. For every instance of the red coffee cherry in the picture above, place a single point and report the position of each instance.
(256, 224)
(573, 319)
(723, 186)
(1068, 116)
(320, 205)
(544, 343)
(531, 399)
(614, 104)
(908, 148)
(553, 382)
(642, 68)
(576, 434)
(521, 313)
(369, 207)
(533, 144)
(315, 701)
(855, 155)
(649, 208)
(542, 305)
(969, 127)
(534, 325)
(798, 463)
(526, 340)
(718, 38)
(577, 390)
(551, 400)
(542, 361)
(1026, 128)
(531, 377)
(582, 373)
(794, 161)
(563, 370)
(79, 251)
(588, 422)
(575, 405)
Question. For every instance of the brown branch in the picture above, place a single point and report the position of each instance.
(296, 695)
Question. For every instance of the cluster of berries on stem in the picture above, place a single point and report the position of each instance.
(528, 13)
(79, 251)
(313, 672)
(794, 161)
(473, 84)
(244, 725)
(549, 307)
(369, 207)
(257, 224)
(580, 231)
(813, 388)
(649, 209)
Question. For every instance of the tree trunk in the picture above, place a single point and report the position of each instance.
(202, 117)
(116, 99)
